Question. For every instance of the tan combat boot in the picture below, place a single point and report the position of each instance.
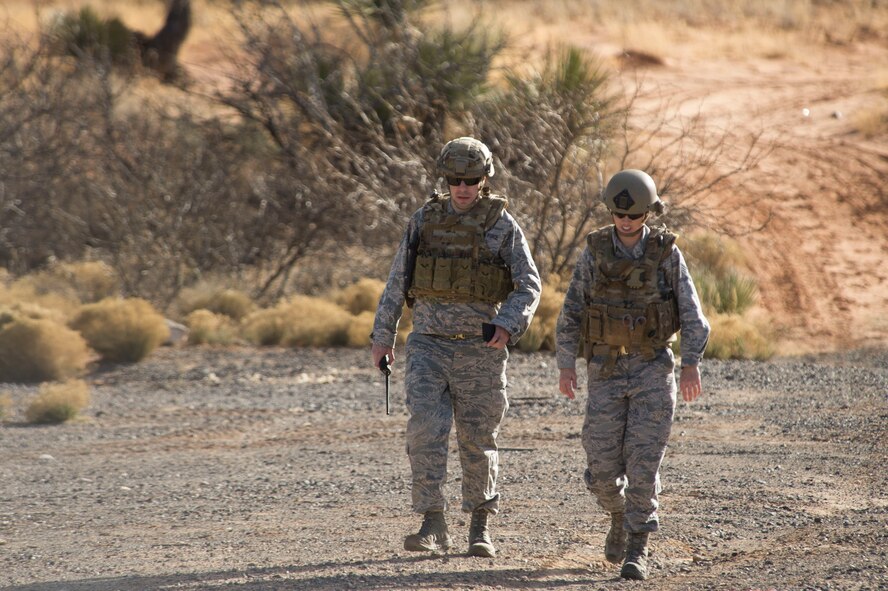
(432, 536)
(615, 543)
(635, 567)
(479, 536)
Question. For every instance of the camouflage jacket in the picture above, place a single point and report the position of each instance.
(506, 240)
(673, 271)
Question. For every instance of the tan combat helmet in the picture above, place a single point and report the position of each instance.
(465, 158)
(632, 191)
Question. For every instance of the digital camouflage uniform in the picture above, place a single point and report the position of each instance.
(629, 409)
(451, 376)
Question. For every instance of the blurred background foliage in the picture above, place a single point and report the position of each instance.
(261, 202)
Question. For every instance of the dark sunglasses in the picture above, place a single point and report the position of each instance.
(455, 181)
(631, 216)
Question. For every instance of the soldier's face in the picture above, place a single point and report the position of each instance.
(464, 196)
(628, 227)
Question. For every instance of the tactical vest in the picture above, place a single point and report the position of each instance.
(453, 262)
(626, 311)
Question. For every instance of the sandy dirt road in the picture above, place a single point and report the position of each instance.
(251, 470)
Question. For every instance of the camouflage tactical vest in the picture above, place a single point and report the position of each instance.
(453, 262)
(626, 311)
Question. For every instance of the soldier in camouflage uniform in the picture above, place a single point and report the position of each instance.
(630, 293)
(463, 261)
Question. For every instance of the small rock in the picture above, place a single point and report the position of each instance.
(178, 333)
(47, 457)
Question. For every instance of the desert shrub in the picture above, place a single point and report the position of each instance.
(872, 122)
(730, 294)
(38, 350)
(359, 329)
(91, 281)
(209, 328)
(716, 254)
(717, 265)
(361, 296)
(124, 330)
(735, 337)
(5, 405)
(29, 310)
(265, 327)
(300, 321)
(541, 333)
(85, 33)
(58, 402)
(66, 285)
(220, 300)
(34, 290)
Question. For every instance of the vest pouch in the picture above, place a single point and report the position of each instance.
(494, 283)
(618, 324)
(423, 272)
(668, 320)
(441, 277)
(594, 324)
(461, 274)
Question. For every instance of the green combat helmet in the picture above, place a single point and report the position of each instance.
(465, 158)
(632, 191)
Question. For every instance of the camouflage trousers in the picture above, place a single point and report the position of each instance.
(461, 382)
(628, 421)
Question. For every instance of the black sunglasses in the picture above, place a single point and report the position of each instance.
(455, 181)
(631, 216)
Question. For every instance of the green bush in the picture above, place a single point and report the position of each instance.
(86, 33)
(39, 350)
(57, 403)
(124, 330)
(729, 294)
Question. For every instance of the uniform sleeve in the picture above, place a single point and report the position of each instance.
(517, 311)
(694, 326)
(570, 320)
(391, 303)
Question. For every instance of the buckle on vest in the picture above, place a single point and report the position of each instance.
(456, 337)
(633, 323)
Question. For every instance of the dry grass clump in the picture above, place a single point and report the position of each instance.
(220, 300)
(736, 337)
(29, 310)
(5, 405)
(64, 286)
(124, 330)
(58, 402)
(209, 328)
(361, 296)
(872, 122)
(541, 333)
(359, 329)
(39, 350)
(728, 294)
(27, 289)
(300, 321)
(717, 265)
(92, 281)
